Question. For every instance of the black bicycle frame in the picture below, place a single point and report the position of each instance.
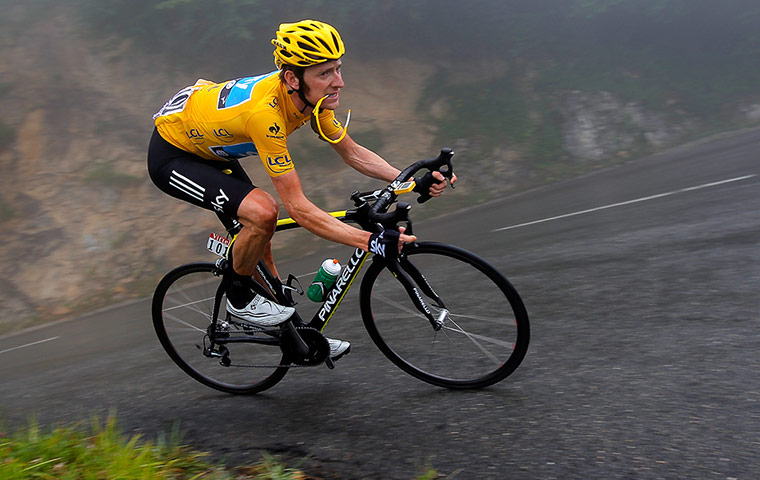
(333, 297)
(370, 218)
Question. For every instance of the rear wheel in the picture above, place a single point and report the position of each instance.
(485, 329)
(183, 305)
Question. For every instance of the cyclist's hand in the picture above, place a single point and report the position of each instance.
(433, 183)
(436, 189)
(405, 238)
(389, 242)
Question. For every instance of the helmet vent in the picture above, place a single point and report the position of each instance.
(307, 46)
(328, 47)
(306, 43)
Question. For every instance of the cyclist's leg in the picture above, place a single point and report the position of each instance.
(256, 218)
(219, 186)
(196, 180)
(258, 214)
(225, 188)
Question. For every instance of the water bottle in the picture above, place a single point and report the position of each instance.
(323, 280)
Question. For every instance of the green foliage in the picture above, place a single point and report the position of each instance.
(647, 49)
(547, 142)
(67, 453)
(650, 40)
(694, 57)
(271, 469)
(428, 474)
(491, 112)
(104, 452)
(483, 28)
(182, 31)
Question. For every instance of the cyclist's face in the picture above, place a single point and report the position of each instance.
(324, 79)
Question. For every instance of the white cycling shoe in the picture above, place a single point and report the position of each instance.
(338, 348)
(262, 312)
(265, 313)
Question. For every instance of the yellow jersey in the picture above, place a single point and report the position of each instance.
(238, 118)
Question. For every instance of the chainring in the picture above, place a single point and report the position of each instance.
(319, 347)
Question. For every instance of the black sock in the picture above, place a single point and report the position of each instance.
(240, 293)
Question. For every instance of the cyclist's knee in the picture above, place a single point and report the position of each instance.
(259, 210)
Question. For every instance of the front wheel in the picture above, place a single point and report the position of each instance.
(483, 332)
(183, 306)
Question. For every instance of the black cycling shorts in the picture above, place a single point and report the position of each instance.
(196, 180)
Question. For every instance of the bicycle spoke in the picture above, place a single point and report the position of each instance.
(481, 318)
(182, 311)
(474, 337)
(182, 322)
(187, 304)
(478, 345)
(399, 306)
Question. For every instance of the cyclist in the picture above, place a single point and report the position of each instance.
(205, 128)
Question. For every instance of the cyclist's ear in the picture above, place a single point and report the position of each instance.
(291, 80)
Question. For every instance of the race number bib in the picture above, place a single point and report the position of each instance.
(218, 244)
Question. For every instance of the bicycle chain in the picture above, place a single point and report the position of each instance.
(255, 329)
(291, 365)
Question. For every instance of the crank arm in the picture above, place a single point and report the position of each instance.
(301, 347)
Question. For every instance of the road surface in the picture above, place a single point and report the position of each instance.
(642, 285)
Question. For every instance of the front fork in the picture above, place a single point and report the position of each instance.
(411, 278)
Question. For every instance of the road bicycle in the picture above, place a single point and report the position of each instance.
(438, 312)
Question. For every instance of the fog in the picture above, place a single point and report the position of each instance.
(606, 155)
(526, 93)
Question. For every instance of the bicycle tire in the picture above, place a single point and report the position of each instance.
(484, 338)
(182, 308)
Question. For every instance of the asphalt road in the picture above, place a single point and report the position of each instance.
(642, 286)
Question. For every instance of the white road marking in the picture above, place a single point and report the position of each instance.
(643, 199)
(28, 345)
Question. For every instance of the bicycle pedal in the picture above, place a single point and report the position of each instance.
(330, 362)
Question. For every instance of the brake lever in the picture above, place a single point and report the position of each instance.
(440, 164)
(392, 218)
(448, 181)
(447, 169)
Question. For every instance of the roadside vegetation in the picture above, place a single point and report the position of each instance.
(503, 65)
(103, 452)
(501, 70)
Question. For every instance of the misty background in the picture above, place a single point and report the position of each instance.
(525, 92)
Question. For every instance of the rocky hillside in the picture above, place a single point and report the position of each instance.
(83, 224)
(85, 227)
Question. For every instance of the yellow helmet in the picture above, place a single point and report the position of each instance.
(306, 43)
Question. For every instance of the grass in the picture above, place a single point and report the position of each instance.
(67, 453)
(105, 453)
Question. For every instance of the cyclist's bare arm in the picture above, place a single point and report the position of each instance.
(364, 161)
(317, 221)
(373, 165)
